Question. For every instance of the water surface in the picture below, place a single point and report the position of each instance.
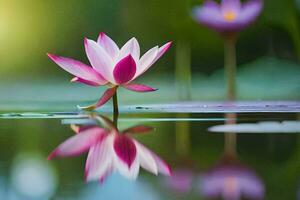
(193, 143)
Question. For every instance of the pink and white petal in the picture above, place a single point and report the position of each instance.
(147, 60)
(77, 144)
(125, 149)
(99, 59)
(99, 160)
(130, 173)
(162, 50)
(108, 45)
(231, 5)
(131, 47)
(146, 159)
(138, 129)
(124, 70)
(87, 82)
(105, 97)
(139, 88)
(109, 170)
(162, 166)
(78, 69)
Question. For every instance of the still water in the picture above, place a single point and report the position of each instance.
(254, 155)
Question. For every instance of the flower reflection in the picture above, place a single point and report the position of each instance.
(111, 150)
(181, 180)
(231, 182)
(230, 179)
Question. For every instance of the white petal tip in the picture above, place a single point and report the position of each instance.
(86, 108)
(75, 79)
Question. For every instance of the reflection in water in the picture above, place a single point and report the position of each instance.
(181, 181)
(126, 189)
(18, 136)
(111, 150)
(32, 177)
(182, 136)
(260, 127)
(230, 179)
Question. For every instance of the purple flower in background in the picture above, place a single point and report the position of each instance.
(111, 65)
(181, 181)
(231, 182)
(229, 16)
(110, 151)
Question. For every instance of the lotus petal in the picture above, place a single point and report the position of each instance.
(99, 162)
(125, 149)
(78, 144)
(99, 59)
(132, 48)
(124, 70)
(146, 159)
(78, 69)
(139, 88)
(147, 60)
(108, 45)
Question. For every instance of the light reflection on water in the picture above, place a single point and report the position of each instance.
(182, 140)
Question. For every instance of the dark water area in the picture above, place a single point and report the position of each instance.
(212, 156)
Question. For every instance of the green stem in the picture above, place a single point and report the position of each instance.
(230, 67)
(116, 109)
(183, 70)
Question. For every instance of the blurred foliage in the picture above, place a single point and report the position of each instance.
(284, 15)
(30, 29)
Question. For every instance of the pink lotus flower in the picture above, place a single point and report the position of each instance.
(111, 66)
(111, 151)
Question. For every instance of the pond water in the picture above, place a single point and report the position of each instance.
(254, 153)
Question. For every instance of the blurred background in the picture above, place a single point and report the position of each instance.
(268, 51)
(268, 55)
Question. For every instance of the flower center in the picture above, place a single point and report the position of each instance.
(230, 184)
(229, 15)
